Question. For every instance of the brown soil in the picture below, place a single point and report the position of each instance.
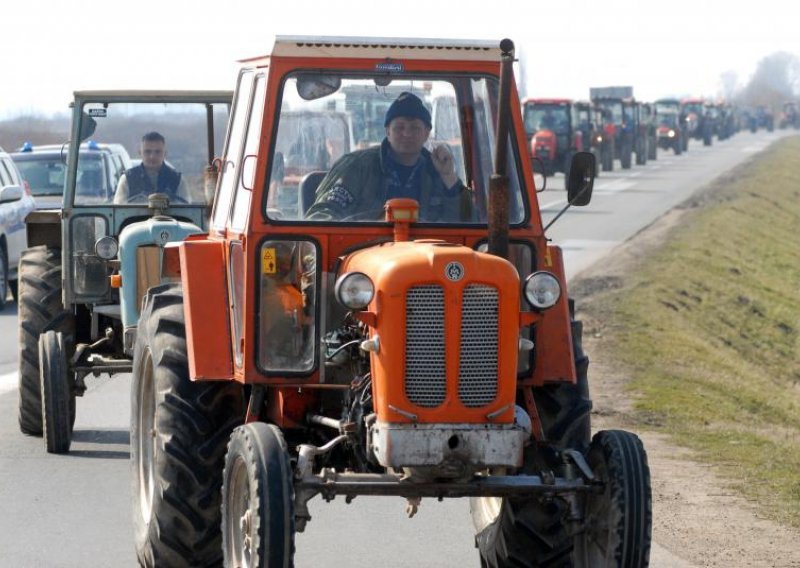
(697, 518)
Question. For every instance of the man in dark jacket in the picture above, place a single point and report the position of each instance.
(359, 184)
(152, 175)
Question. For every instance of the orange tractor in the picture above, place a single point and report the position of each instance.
(428, 349)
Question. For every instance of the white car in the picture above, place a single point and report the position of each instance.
(15, 204)
(44, 167)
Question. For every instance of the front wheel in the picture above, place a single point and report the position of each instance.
(58, 397)
(619, 519)
(257, 499)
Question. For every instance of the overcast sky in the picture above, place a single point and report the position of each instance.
(49, 48)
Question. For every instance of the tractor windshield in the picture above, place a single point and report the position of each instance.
(345, 144)
(615, 109)
(668, 118)
(135, 149)
(540, 116)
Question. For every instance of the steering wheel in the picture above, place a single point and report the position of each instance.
(143, 197)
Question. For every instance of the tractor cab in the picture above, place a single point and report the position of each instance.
(550, 126)
(140, 172)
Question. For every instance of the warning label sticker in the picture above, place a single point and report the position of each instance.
(268, 261)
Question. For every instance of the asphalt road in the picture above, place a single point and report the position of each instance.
(74, 511)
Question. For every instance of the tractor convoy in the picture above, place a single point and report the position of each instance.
(293, 333)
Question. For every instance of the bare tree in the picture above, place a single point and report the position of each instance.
(776, 80)
(36, 129)
(728, 85)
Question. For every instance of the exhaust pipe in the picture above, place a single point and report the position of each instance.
(498, 184)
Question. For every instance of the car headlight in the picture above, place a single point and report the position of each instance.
(106, 247)
(354, 290)
(542, 290)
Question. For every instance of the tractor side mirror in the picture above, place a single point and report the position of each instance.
(88, 126)
(581, 179)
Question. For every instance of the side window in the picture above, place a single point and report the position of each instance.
(233, 151)
(287, 311)
(447, 127)
(10, 173)
(244, 192)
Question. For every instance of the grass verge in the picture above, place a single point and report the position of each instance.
(708, 327)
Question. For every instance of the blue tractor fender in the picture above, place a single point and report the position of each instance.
(158, 230)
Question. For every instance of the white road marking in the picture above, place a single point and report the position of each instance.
(614, 186)
(753, 148)
(582, 244)
(600, 188)
(8, 382)
(557, 203)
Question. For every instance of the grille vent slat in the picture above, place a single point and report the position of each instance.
(477, 385)
(426, 383)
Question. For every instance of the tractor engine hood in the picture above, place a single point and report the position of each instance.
(544, 144)
(445, 319)
(444, 340)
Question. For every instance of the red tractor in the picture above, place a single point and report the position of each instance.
(624, 122)
(554, 138)
(424, 348)
(672, 118)
(589, 133)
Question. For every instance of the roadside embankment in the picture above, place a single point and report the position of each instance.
(693, 329)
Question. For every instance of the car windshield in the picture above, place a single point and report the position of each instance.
(45, 174)
(342, 129)
(177, 152)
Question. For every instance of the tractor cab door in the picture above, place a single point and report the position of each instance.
(234, 194)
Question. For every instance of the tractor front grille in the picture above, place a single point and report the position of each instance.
(477, 372)
(425, 373)
(426, 383)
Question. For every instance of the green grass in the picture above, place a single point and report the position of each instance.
(709, 328)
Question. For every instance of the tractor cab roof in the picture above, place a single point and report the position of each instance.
(391, 48)
(543, 101)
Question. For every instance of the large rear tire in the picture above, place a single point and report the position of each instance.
(618, 520)
(258, 499)
(641, 152)
(513, 533)
(58, 395)
(521, 533)
(41, 309)
(179, 432)
(607, 157)
(625, 154)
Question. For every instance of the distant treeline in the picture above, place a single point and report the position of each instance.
(14, 132)
(185, 133)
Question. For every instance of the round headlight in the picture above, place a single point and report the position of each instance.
(354, 290)
(542, 290)
(106, 248)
